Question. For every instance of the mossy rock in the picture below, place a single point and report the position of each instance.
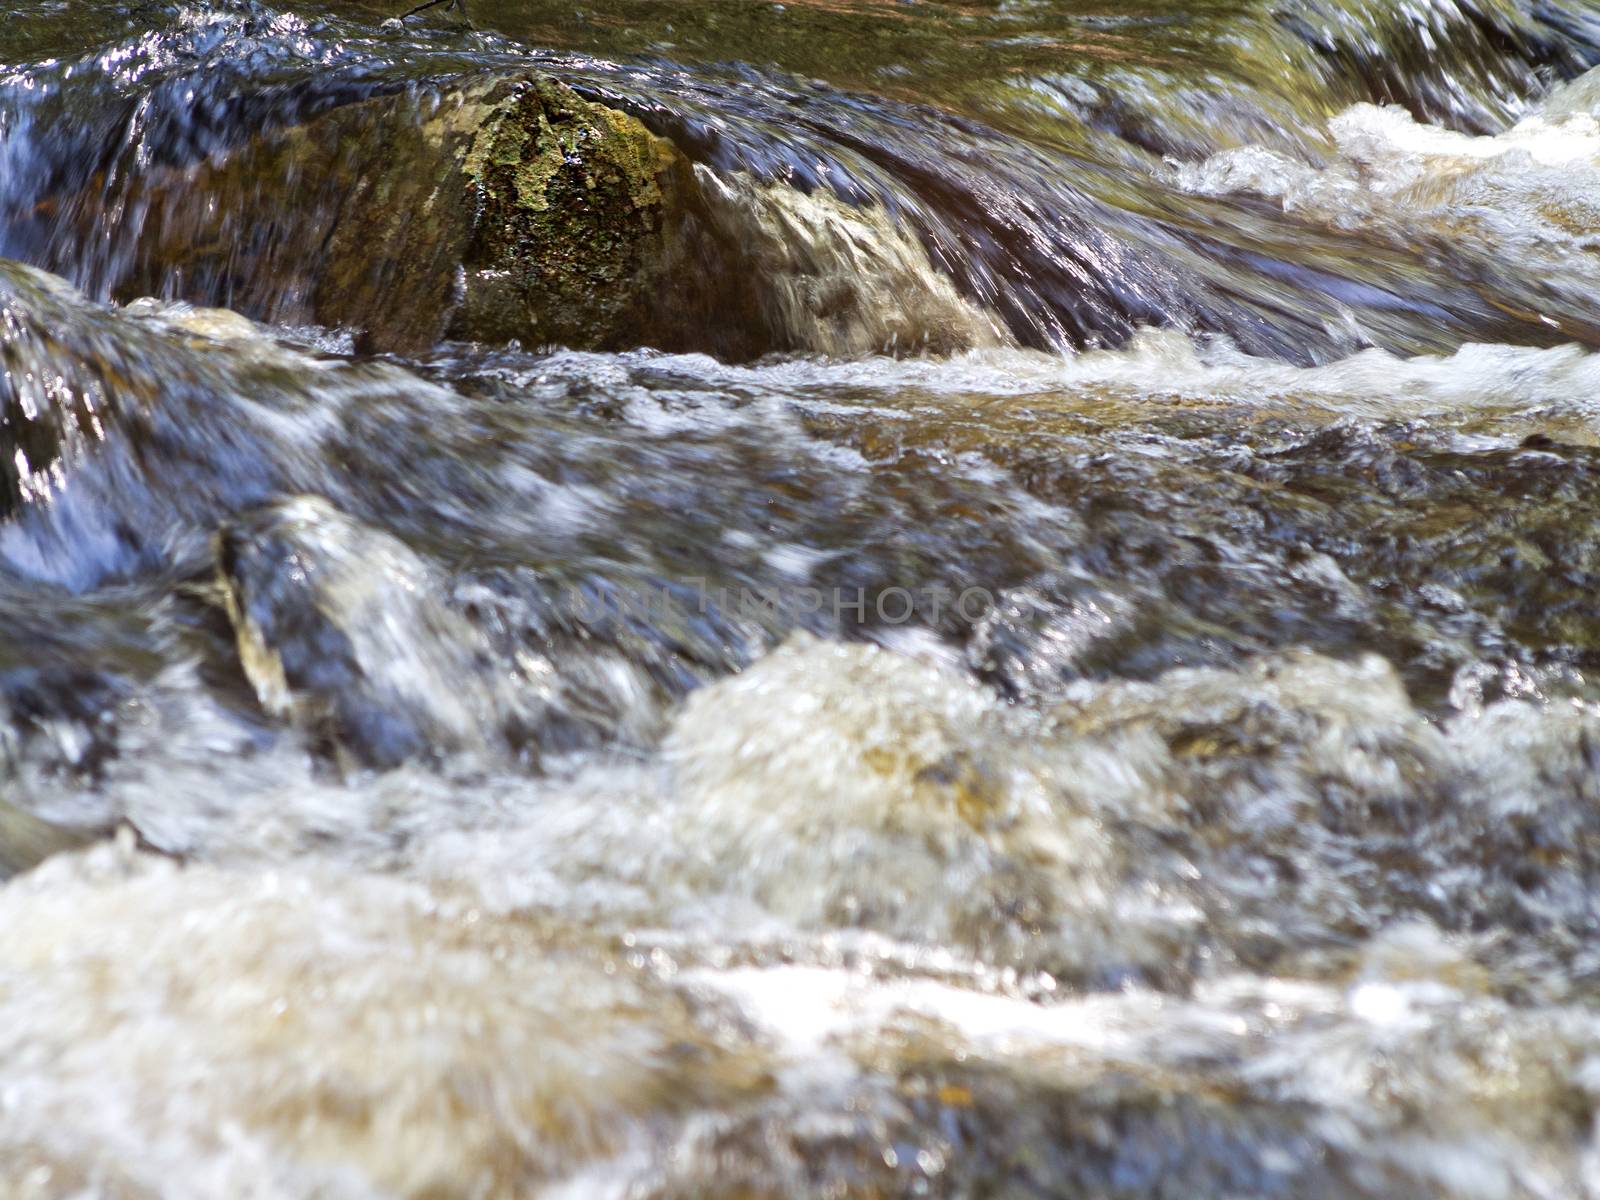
(573, 230)
(508, 207)
(496, 208)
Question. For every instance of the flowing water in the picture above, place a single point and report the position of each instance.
(1074, 671)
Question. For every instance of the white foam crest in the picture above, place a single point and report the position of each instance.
(1160, 367)
(1576, 96)
(197, 1032)
(1529, 195)
(1404, 1037)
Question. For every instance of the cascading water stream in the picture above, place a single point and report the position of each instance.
(741, 599)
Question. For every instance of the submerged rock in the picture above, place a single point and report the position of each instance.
(55, 382)
(340, 628)
(847, 785)
(125, 436)
(26, 840)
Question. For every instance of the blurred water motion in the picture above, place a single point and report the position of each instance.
(1054, 655)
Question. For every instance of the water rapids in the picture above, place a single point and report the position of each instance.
(831, 598)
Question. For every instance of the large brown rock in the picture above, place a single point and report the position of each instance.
(506, 207)
(497, 209)
(578, 220)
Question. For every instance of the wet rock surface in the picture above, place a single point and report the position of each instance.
(498, 208)
(571, 238)
(343, 630)
(1001, 670)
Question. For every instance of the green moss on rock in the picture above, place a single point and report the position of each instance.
(574, 210)
(500, 208)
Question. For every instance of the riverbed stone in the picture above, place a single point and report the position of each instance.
(573, 205)
(495, 209)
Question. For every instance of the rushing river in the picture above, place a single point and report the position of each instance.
(1056, 654)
